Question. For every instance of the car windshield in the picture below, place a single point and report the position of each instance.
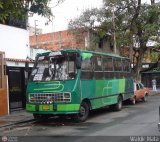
(54, 66)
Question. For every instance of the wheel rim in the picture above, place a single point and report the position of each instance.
(120, 103)
(144, 99)
(82, 111)
(134, 100)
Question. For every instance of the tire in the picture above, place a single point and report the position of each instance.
(118, 105)
(83, 112)
(133, 101)
(144, 99)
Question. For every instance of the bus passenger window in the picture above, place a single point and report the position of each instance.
(86, 69)
(97, 62)
(108, 67)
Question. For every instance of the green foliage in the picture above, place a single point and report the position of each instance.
(19, 8)
(154, 56)
(87, 20)
(128, 19)
(133, 19)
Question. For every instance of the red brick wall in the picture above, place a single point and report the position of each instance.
(54, 41)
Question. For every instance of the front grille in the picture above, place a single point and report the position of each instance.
(49, 98)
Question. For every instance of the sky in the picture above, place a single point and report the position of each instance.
(63, 13)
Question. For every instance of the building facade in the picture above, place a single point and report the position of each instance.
(15, 46)
(66, 39)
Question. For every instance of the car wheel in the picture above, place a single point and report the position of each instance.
(144, 99)
(133, 101)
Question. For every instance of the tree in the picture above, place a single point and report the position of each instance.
(19, 9)
(132, 19)
(87, 22)
(130, 22)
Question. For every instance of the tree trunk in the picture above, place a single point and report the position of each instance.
(152, 2)
(138, 67)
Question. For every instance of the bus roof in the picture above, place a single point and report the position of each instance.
(93, 52)
(85, 51)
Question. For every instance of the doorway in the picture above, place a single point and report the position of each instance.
(16, 84)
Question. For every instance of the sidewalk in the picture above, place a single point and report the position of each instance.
(22, 115)
(15, 117)
(154, 92)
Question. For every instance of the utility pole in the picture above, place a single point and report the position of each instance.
(114, 31)
(35, 22)
(53, 33)
(60, 40)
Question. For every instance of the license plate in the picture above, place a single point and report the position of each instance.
(46, 107)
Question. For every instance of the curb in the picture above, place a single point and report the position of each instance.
(18, 122)
(154, 93)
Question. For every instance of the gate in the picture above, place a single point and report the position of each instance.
(16, 88)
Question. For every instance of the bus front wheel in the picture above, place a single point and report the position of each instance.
(83, 112)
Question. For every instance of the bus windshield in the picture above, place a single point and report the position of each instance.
(54, 66)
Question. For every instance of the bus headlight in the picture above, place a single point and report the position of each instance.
(31, 98)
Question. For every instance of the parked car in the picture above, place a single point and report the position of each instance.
(140, 93)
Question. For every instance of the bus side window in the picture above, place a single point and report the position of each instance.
(126, 67)
(87, 69)
(98, 72)
(118, 67)
(108, 67)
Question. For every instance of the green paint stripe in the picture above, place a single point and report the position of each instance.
(121, 85)
(86, 55)
(60, 107)
(68, 107)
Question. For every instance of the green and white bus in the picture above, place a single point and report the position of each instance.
(73, 82)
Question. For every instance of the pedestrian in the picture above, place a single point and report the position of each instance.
(154, 83)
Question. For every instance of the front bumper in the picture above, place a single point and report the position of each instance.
(53, 108)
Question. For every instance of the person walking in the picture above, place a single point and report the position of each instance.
(154, 83)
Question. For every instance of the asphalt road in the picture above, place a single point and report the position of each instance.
(138, 120)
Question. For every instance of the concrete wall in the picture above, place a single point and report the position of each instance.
(14, 42)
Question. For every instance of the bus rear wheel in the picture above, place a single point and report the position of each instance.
(118, 105)
(83, 112)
